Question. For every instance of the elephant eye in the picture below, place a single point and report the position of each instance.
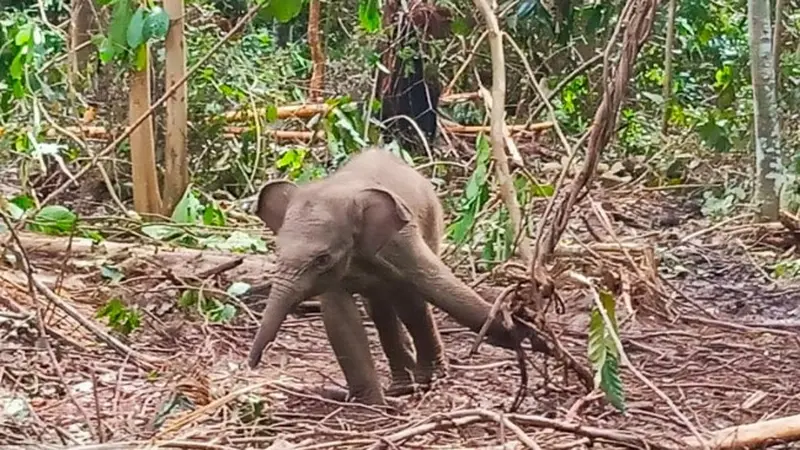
(322, 260)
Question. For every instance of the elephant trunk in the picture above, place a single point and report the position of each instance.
(441, 286)
(282, 299)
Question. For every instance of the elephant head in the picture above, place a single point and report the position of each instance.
(320, 227)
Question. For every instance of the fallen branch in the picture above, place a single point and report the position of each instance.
(34, 285)
(752, 435)
(468, 416)
(137, 445)
(144, 361)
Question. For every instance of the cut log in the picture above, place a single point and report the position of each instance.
(98, 132)
(781, 430)
(183, 262)
(307, 110)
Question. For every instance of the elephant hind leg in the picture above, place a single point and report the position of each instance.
(396, 345)
(417, 316)
(349, 341)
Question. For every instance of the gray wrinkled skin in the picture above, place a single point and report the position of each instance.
(372, 228)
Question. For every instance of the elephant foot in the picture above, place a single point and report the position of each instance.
(400, 389)
(343, 395)
(428, 375)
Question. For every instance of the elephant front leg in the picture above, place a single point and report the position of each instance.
(349, 341)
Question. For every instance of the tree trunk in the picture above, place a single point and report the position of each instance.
(668, 47)
(317, 82)
(146, 195)
(81, 19)
(776, 40)
(765, 108)
(176, 164)
(507, 191)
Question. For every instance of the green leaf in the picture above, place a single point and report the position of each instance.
(17, 69)
(461, 228)
(238, 241)
(14, 211)
(284, 10)
(483, 149)
(369, 15)
(238, 288)
(135, 34)
(19, 89)
(118, 28)
(188, 208)
(610, 305)
(24, 201)
(24, 34)
(476, 181)
(111, 273)
(603, 352)
(188, 298)
(106, 51)
(271, 113)
(54, 219)
(226, 313)
(120, 318)
(157, 24)
(111, 309)
(213, 216)
(655, 98)
(460, 27)
(161, 232)
(141, 58)
(543, 190)
(611, 384)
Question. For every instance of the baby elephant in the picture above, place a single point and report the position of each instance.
(372, 228)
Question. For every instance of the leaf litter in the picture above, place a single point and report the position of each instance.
(721, 342)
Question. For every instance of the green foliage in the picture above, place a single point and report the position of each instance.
(720, 205)
(111, 273)
(190, 221)
(135, 32)
(156, 24)
(474, 197)
(121, 318)
(604, 354)
(24, 45)
(369, 15)
(283, 10)
(130, 30)
(118, 27)
(207, 306)
(293, 163)
(342, 125)
(238, 288)
(54, 220)
(252, 409)
(572, 110)
(789, 269)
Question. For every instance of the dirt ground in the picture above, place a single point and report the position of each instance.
(721, 343)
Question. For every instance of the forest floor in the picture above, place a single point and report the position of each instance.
(722, 343)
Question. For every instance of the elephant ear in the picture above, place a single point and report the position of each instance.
(382, 215)
(273, 201)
